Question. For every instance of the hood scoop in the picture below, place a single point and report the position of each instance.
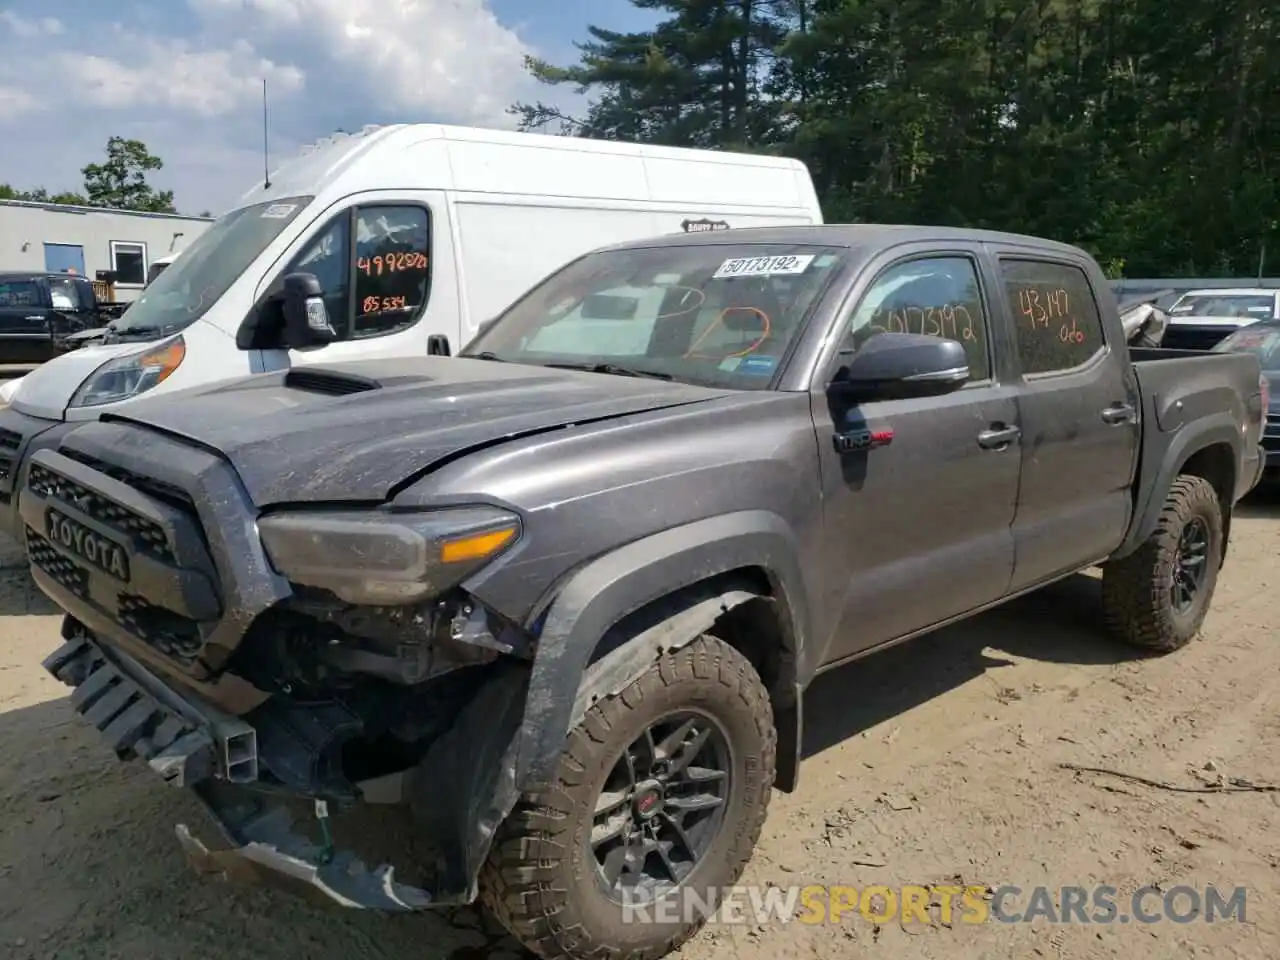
(333, 383)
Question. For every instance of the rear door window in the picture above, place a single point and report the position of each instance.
(65, 294)
(1056, 319)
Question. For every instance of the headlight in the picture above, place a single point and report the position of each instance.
(126, 377)
(386, 559)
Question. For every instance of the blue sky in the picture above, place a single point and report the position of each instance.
(185, 76)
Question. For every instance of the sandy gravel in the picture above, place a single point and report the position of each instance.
(934, 761)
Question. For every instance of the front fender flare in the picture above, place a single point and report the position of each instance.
(623, 581)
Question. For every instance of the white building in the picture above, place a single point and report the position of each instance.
(54, 237)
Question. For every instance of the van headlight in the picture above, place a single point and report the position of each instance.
(125, 377)
(371, 558)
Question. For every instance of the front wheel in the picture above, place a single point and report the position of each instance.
(657, 804)
(1158, 596)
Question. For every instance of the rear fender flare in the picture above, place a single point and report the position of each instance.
(1186, 443)
(564, 678)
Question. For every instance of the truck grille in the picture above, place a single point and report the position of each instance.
(124, 549)
(41, 553)
(166, 493)
(49, 484)
(174, 635)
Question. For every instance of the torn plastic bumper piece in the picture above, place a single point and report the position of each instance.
(185, 742)
(266, 849)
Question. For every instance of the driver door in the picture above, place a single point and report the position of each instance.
(919, 530)
(385, 266)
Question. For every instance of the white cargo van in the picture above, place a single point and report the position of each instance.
(392, 240)
(410, 232)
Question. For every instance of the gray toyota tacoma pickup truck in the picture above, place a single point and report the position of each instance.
(558, 598)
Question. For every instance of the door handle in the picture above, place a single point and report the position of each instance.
(1118, 414)
(34, 319)
(998, 438)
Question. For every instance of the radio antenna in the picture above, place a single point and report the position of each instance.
(266, 156)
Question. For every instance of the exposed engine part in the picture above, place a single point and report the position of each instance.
(313, 645)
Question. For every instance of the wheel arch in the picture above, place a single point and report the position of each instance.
(736, 576)
(1208, 448)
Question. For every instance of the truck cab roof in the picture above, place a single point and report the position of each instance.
(850, 235)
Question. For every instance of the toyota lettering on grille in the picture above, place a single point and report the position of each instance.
(91, 547)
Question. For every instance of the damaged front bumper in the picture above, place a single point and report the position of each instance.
(190, 743)
(266, 848)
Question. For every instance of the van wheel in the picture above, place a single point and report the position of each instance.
(1158, 596)
(655, 809)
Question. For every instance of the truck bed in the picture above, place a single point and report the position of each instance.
(1178, 387)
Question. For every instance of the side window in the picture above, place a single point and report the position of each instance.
(19, 293)
(1056, 318)
(326, 257)
(937, 296)
(393, 268)
(129, 261)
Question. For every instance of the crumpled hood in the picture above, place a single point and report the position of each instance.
(295, 437)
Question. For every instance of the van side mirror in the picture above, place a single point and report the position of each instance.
(438, 346)
(900, 366)
(306, 320)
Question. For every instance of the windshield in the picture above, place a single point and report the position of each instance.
(184, 292)
(1262, 342)
(717, 315)
(1247, 306)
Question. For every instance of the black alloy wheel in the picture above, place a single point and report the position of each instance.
(662, 806)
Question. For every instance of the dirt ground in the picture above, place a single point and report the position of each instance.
(934, 761)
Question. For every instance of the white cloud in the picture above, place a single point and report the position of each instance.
(439, 59)
(14, 102)
(27, 28)
(194, 99)
(171, 73)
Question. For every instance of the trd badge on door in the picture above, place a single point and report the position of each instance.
(864, 439)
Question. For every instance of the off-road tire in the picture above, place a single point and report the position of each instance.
(1137, 589)
(539, 880)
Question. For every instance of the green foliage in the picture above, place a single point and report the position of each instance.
(1142, 131)
(120, 182)
(41, 195)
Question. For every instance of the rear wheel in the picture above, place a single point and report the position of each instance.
(656, 807)
(1158, 596)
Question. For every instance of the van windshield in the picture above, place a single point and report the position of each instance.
(715, 315)
(185, 291)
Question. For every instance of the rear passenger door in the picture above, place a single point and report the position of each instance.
(1077, 408)
(919, 531)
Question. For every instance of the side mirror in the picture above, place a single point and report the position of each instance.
(899, 366)
(306, 321)
(438, 346)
